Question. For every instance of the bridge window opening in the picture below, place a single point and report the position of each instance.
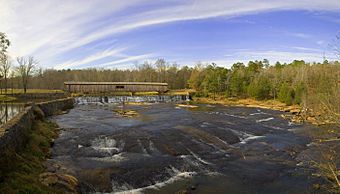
(119, 87)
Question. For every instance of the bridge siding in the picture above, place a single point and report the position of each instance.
(102, 87)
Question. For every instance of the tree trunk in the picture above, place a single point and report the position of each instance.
(24, 82)
(5, 84)
(12, 86)
(25, 87)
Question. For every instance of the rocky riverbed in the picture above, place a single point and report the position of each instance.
(190, 149)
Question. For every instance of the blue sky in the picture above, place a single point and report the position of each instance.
(114, 34)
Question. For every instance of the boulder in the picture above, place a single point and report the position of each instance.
(63, 182)
(48, 178)
(38, 113)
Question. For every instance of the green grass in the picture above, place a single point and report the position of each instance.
(19, 172)
(30, 91)
(181, 92)
(4, 98)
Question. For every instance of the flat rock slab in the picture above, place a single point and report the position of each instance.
(168, 149)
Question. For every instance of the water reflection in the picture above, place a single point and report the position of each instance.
(8, 111)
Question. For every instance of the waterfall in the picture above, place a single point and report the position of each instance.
(120, 99)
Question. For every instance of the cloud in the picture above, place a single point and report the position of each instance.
(329, 18)
(94, 57)
(301, 35)
(320, 42)
(45, 28)
(50, 30)
(130, 60)
(282, 56)
(306, 49)
(245, 55)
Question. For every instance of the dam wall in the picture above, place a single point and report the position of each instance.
(14, 133)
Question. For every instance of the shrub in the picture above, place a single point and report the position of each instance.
(260, 88)
(286, 94)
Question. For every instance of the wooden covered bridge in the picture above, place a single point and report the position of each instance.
(106, 87)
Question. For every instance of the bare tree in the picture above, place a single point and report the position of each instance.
(25, 69)
(4, 44)
(336, 45)
(161, 69)
(5, 66)
(12, 76)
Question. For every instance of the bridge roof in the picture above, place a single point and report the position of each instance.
(116, 83)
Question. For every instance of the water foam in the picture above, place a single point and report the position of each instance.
(105, 144)
(119, 99)
(264, 120)
(176, 175)
(245, 137)
(259, 112)
(198, 158)
(229, 115)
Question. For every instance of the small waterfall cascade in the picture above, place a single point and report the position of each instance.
(120, 99)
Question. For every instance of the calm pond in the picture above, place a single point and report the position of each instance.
(167, 148)
(8, 111)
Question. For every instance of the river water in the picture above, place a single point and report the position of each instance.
(167, 148)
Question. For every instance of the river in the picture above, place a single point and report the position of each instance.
(168, 148)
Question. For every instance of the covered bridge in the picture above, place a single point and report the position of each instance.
(103, 87)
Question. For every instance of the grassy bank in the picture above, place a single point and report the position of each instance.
(19, 172)
(18, 95)
(30, 91)
(6, 98)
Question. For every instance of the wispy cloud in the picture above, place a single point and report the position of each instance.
(282, 56)
(94, 57)
(246, 55)
(329, 18)
(130, 60)
(301, 35)
(49, 29)
(306, 49)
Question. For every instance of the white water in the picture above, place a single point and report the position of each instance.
(153, 149)
(120, 99)
(259, 112)
(226, 114)
(142, 147)
(176, 175)
(245, 137)
(105, 144)
(264, 120)
(198, 158)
